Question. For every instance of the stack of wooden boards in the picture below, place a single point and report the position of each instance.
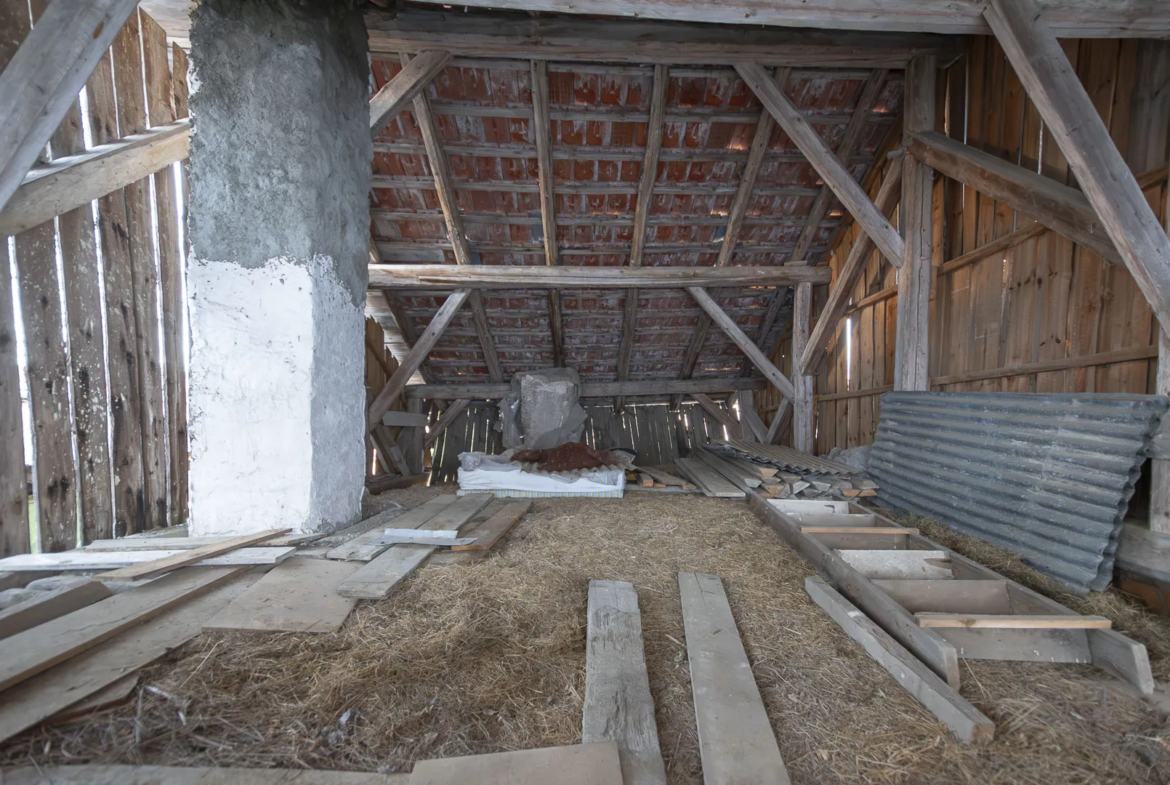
(917, 607)
(777, 472)
(649, 479)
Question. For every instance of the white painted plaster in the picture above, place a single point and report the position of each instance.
(277, 397)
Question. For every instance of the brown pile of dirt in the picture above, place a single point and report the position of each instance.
(567, 457)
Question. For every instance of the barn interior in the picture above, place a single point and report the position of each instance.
(397, 392)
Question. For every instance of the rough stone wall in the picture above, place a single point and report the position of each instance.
(279, 233)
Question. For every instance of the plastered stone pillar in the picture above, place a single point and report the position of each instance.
(276, 278)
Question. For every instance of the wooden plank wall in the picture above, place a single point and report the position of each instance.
(380, 365)
(1042, 300)
(104, 375)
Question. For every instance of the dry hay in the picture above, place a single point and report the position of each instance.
(489, 656)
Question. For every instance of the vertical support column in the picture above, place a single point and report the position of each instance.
(279, 217)
(911, 355)
(802, 402)
(1160, 470)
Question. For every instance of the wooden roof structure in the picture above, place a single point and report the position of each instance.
(535, 145)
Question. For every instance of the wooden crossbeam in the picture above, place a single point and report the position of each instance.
(74, 181)
(887, 199)
(1061, 208)
(821, 157)
(402, 89)
(415, 356)
(542, 132)
(453, 218)
(642, 210)
(481, 391)
(1030, 44)
(442, 276)
(728, 325)
(43, 78)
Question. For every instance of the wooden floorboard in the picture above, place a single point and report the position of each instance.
(583, 764)
(182, 775)
(48, 606)
(618, 706)
(736, 742)
(299, 595)
(364, 547)
(488, 533)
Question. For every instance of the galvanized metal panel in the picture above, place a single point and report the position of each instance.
(1046, 476)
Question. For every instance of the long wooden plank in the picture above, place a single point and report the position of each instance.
(298, 595)
(43, 78)
(943, 701)
(43, 696)
(745, 344)
(48, 606)
(835, 175)
(709, 481)
(1000, 621)
(364, 547)
(90, 561)
(707, 43)
(584, 764)
(488, 533)
(192, 775)
(33, 651)
(736, 742)
(377, 579)
(431, 276)
(589, 389)
(401, 90)
(618, 706)
(150, 569)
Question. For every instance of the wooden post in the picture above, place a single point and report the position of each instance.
(802, 402)
(1068, 112)
(911, 356)
(542, 134)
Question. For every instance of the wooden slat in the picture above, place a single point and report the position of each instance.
(30, 652)
(412, 79)
(477, 391)
(583, 764)
(618, 706)
(1011, 622)
(709, 481)
(948, 596)
(943, 701)
(45, 695)
(35, 564)
(43, 78)
(365, 547)
(192, 775)
(49, 605)
(736, 742)
(151, 569)
(488, 533)
(733, 331)
(438, 276)
(298, 595)
(830, 169)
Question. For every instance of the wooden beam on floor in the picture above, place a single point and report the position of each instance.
(646, 40)
(415, 357)
(618, 706)
(542, 133)
(402, 89)
(733, 331)
(1031, 46)
(912, 342)
(481, 391)
(1062, 208)
(852, 197)
(942, 700)
(736, 740)
(43, 78)
(887, 199)
(440, 276)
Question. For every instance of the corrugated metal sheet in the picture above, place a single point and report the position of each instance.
(1046, 476)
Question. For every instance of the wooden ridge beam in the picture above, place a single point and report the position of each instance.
(728, 325)
(440, 276)
(74, 181)
(43, 78)
(1031, 46)
(848, 191)
(1062, 208)
(402, 89)
(887, 199)
(647, 41)
(481, 391)
(542, 132)
(454, 220)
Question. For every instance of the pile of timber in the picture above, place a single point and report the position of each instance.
(784, 473)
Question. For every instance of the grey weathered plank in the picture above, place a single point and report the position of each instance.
(583, 764)
(365, 546)
(618, 706)
(711, 482)
(968, 723)
(299, 595)
(736, 741)
(183, 775)
(49, 605)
